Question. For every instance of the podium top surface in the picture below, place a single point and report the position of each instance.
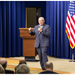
(24, 28)
(24, 33)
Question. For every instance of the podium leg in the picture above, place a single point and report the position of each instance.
(31, 59)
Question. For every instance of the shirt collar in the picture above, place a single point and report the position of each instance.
(40, 25)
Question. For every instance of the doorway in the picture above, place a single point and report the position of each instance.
(32, 15)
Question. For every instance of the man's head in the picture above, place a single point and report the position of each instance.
(22, 69)
(41, 20)
(3, 62)
(22, 62)
(49, 66)
(2, 71)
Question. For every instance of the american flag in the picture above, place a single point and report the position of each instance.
(70, 24)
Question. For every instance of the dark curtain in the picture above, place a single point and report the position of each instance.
(56, 14)
(12, 17)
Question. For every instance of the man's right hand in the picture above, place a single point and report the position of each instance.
(30, 29)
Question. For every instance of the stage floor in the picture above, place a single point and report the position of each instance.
(62, 66)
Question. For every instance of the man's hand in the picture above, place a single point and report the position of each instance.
(39, 29)
(30, 29)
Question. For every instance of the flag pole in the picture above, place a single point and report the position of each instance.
(72, 56)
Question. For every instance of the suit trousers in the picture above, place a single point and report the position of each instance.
(42, 51)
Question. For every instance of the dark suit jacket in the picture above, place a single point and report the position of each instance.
(43, 37)
(9, 72)
(47, 72)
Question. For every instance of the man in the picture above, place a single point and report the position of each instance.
(21, 62)
(49, 68)
(22, 69)
(3, 62)
(42, 32)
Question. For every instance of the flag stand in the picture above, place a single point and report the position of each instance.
(72, 56)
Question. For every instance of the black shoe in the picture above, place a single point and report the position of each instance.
(43, 68)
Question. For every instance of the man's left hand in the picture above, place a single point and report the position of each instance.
(39, 29)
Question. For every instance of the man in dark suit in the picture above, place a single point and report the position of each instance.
(49, 68)
(42, 33)
(3, 62)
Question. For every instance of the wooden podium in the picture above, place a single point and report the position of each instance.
(29, 51)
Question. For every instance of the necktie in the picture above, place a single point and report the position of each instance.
(41, 28)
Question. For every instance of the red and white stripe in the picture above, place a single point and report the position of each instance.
(70, 29)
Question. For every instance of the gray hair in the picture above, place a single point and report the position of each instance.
(42, 18)
(22, 69)
(49, 65)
